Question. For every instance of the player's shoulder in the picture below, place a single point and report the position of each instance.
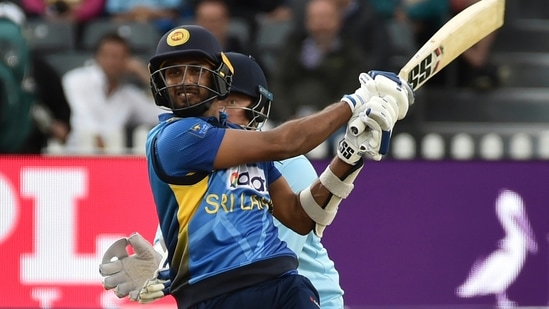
(184, 128)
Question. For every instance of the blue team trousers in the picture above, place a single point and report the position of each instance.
(286, 292)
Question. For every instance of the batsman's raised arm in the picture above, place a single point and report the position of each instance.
(290, 139)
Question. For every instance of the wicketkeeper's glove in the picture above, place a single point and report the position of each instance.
(155, 288)
(125, 273)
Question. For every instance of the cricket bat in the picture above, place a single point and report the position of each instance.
(456, 36)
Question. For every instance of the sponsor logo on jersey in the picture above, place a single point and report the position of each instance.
(247, 177)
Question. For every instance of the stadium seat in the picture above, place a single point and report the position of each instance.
(143, 37)
(505, 105)
(65, 61)
(238, 27)
(270, 39)
(523, 69)
(51, 36)
(523, 35)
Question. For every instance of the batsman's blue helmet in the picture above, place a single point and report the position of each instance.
(249, 79)
(190, 41)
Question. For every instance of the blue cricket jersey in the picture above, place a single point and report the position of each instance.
(216, 224)
(314, 262)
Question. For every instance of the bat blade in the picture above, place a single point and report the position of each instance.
(452, 39)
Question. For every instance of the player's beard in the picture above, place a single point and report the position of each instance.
(184, 96)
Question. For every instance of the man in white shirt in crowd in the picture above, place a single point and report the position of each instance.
(103, 102)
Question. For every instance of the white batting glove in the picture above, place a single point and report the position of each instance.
(350, 150)
(125, 273)
(377, 117)
(381, 84)
(361, 96)
(389, 98)
(388, 84)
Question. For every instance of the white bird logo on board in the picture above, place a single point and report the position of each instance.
(495, 273)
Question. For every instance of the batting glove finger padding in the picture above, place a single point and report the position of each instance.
(385, 84)
(382, 110)
(369, 132)
(361, 95)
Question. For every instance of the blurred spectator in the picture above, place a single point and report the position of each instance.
(104, 104)
(411, 24)
(163, 13)
(78, 11)
(51, 112)
(38, 109)
(363, 24)
(317, 67)
(214, 15)
(474, 68)
(425, 17)
(251, 10)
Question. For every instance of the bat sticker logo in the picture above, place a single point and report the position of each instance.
(425, 68)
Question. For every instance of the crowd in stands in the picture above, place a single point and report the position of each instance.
(322, 47)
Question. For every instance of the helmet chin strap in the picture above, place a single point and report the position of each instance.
(223, 117)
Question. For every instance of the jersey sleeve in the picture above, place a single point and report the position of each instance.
(188, 145)
(273, 172)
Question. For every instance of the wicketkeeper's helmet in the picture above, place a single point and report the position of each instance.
(250, 80)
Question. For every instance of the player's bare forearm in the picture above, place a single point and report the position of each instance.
(304, 134)
(290, 139)
(287, 208)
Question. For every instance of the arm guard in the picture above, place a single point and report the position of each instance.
(340, 189)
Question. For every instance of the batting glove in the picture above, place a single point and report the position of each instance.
(125, 273)
(376, 120)
(388, 84)
(389, 98)
(381, 84)
(361, 95)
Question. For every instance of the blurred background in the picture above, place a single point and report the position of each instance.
(488, 104)
(462, 192)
